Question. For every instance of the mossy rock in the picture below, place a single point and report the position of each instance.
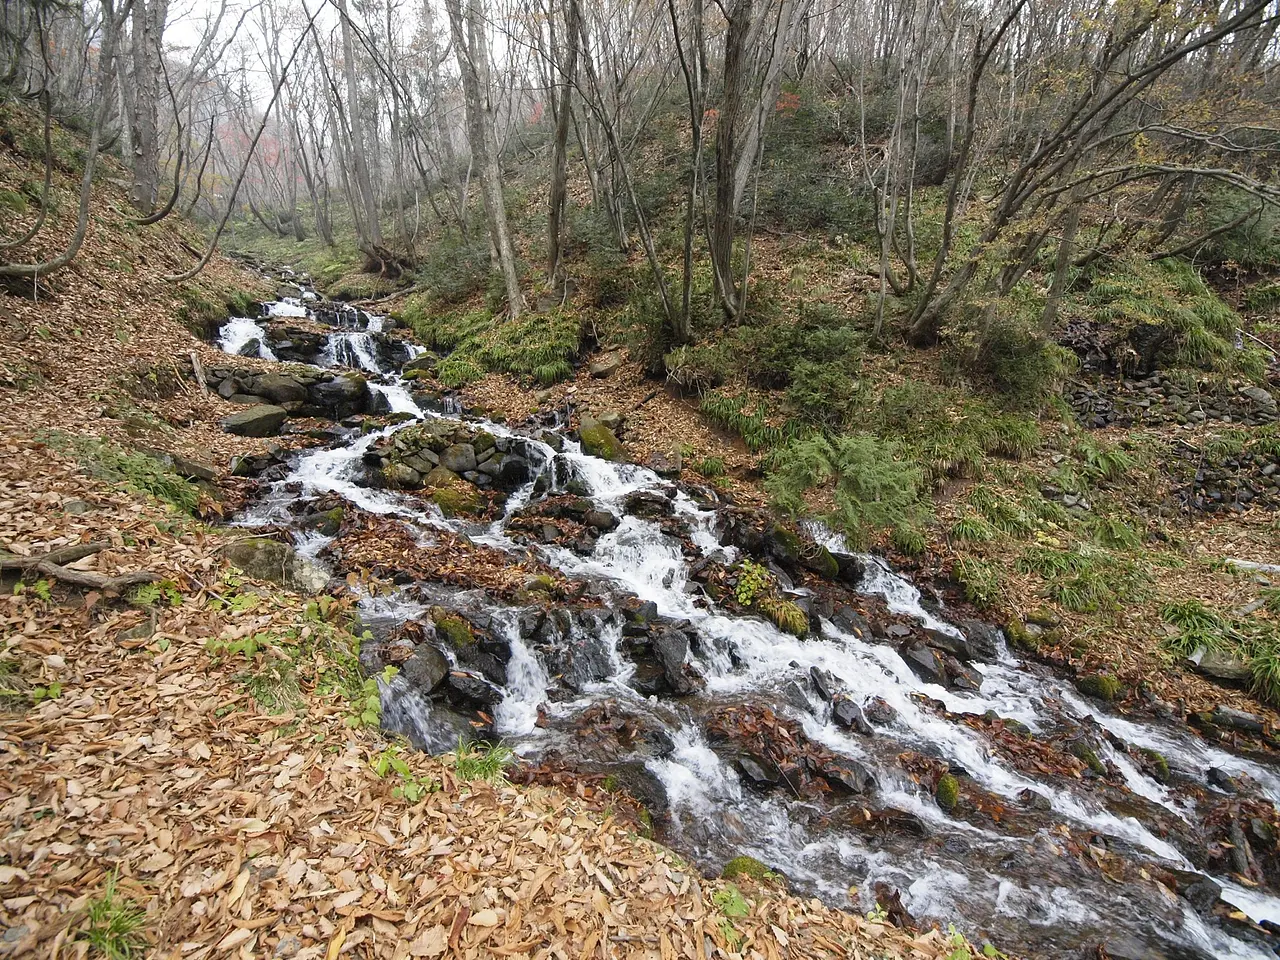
(1157, 764)
(1102, 686)
(458, 499)
(1044, 617)
(947, 793)
(785, 545)
(328, 522)
(483, 441)
(822, 563)
(455, 630)
(1082, 751)
(598, 441)
(1021, 637)
(744, 866)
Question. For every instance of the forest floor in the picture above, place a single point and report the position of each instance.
(150, 806)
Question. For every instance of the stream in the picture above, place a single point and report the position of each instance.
(1048, 866)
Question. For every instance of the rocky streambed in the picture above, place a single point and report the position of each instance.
(763, 691)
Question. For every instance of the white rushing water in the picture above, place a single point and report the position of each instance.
(239, 332)
(740, 656)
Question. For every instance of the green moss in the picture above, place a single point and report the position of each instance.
(786, 545)
(1158, 764)
(453, 628)
(823, 564)
(1020, 636)
(1082, 751)
(598, 441)
(1103, 686)
(947, 793)
(457, 500)
(744, 866)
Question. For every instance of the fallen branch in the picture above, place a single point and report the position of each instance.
(51, 564)
(390, 296)
(198, 369)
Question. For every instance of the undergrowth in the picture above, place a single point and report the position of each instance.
(540, 346)
(135, 471)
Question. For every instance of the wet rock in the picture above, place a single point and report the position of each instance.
(1101, 686)
(849, 715)
(672, 648)
(851, 621)
(962, 677)
(401, 476)
(982, 640)
(600, 520)
(266, 559)
(759, 771)
(852, 569)
(342, 396)
(640, 782)
(472, 690)
(1219, 778)
(260, 420)
(648, 505)
(848, 776)
(252, 348)
(1225, 716)
(926, 663)
(426, 667)
(824, 683)
(879, 711)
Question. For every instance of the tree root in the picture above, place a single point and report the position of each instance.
(52, 563)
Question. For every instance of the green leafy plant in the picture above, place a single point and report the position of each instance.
(113, 925)
(753, 581)
(150, 594)
(730, 901)
(412, 787)
(40, 589)
(133, 470)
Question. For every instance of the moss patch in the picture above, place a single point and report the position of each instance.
(1103, 686)
(947, 793)
(455, 630)
(598, 441)
(745, 866)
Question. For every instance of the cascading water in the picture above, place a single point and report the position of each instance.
(238, 332)
(1010, 878)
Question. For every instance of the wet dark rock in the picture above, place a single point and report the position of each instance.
(759, 771)
(851, 621)
(849, 715)
(897, 631)
(672, 648)
(851, 568)
(848, 776)
(823, 682)
(879, 711)
(472, 690)
(426, 667)
(642, 784)
(962, 677)
(600, 520)
(341, 396)
(1225, 716)
(926, 663)
(648, 505)
(1219, 778)
(1124, 946)
(983, 640)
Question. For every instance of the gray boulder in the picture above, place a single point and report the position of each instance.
(278, 389)
(264, 559)
(260, 420)
(426, 668)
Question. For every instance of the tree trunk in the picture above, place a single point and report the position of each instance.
(559, 161)
(148, 29)
(355, 121)
(471, 45)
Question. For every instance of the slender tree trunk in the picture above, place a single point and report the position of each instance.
(148, 29)
(471, 45)
(559, 157)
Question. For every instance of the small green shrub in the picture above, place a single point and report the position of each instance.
(871, 487)
(980, 580)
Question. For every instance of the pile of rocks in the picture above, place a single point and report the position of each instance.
(1161, 399)
(452, 459)
(1232, 484)
(271, 398)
